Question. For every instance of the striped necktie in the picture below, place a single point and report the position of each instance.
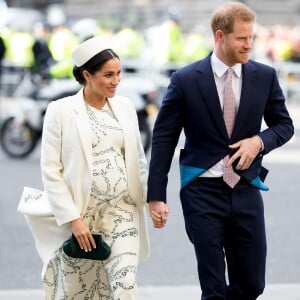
(229, 111)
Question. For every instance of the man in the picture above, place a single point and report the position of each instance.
(221, 218)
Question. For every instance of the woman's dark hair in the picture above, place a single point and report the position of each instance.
(94, 64)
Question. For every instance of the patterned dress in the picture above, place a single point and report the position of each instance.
(110, 212)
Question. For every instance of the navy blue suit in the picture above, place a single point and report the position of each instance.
(192, 103)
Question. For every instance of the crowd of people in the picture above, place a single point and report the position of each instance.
(277, 43)
(49, 46)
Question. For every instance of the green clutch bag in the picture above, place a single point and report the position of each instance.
(72, 249)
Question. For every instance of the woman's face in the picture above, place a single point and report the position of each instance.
(104, 82)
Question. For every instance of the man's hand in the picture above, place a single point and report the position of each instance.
(248, 149)
(159, 213)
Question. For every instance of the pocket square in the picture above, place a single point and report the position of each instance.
(72, 249)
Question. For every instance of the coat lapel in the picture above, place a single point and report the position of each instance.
(126, 125)
(83, 128)
(131, 152)
(130, 145)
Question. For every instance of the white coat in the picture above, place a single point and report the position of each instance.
(66, 163)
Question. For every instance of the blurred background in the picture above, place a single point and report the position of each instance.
(153, 38)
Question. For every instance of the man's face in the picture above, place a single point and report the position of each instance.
(236, 46)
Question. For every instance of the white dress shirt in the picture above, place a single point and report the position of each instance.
(219, 71)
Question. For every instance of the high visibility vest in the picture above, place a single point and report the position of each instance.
(62, 69)
(128, 43)
(19, 49)
(196, 47)
(62, 43)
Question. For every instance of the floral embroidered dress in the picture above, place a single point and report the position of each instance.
(110, 212)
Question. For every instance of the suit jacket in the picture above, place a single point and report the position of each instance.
(192, 103)
(66, 160)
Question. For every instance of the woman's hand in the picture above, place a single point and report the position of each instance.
(83, 235)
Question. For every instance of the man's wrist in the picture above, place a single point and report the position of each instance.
(262, 147)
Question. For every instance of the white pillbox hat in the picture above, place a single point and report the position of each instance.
(88, 49)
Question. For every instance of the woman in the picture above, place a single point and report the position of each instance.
(94, 174)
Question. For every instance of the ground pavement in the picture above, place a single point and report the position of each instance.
(272, 292)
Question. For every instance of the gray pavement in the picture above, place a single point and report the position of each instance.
(272, 292)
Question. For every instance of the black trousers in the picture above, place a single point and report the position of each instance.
(226, 224)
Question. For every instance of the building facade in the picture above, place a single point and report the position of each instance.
(193, 12)
(144, 13)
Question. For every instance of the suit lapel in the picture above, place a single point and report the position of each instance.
(247, 92)
(208, 89)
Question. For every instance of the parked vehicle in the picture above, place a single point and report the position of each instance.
(21, 131)
(289, 76)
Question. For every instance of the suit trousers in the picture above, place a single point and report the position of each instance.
(227, 229)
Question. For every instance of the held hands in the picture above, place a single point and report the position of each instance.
(248, 149)
(83, 235)
(159, 213)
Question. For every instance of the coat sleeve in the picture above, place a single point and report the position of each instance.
(166, 133)
(52, 168)
(143, 169)
(280, 125)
